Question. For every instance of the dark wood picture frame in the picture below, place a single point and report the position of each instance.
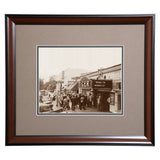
(10, 28)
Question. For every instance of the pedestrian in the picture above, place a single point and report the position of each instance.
(90, 100)
(40, 99)
(66, 103)
(60, 101)
(82, 102)
(77, 99)
(99, 103)
(108, 104)
(73, 100)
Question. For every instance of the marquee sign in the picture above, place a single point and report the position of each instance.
(102, 84)
(85, 84)
(95, 84)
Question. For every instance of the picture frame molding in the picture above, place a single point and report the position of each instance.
(11, 20)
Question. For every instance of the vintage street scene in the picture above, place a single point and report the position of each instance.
(73, 80)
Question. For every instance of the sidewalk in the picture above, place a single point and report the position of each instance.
(58, 109)
(77, 110)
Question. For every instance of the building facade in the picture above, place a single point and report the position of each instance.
(103, 77)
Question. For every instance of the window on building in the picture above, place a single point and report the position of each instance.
(112, 96)
(117, 85)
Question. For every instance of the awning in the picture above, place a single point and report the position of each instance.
(73, 87)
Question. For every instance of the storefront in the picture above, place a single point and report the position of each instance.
(85, 86)
(72, 88)
(117, 95)
(101, 92)
(99, 89)
(97, 84)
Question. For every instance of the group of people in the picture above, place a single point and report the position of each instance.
(73, 101)
(103, 103)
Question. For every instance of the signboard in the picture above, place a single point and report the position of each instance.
(95, 84)
(102, 84)
(85, 84)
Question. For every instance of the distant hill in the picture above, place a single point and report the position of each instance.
(69, 73)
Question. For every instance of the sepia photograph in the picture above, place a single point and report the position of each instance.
(79, 80)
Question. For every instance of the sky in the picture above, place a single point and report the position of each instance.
(53, 60)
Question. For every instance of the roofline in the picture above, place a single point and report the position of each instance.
(101, 69)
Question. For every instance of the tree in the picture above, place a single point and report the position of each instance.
(51, 84)
(41, 84)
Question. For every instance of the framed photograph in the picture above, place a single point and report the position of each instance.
(71, 81)
(80, 79)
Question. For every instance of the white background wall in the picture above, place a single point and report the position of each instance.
(78, 7)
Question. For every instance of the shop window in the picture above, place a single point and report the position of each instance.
(112, 98)
(117, 85)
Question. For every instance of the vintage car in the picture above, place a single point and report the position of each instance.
(43, 92)
(44, 107)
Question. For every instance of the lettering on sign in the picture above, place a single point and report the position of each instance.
(102, 84)
(84, 84)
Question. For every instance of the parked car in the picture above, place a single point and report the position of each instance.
(43, 92)
(45, 107)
